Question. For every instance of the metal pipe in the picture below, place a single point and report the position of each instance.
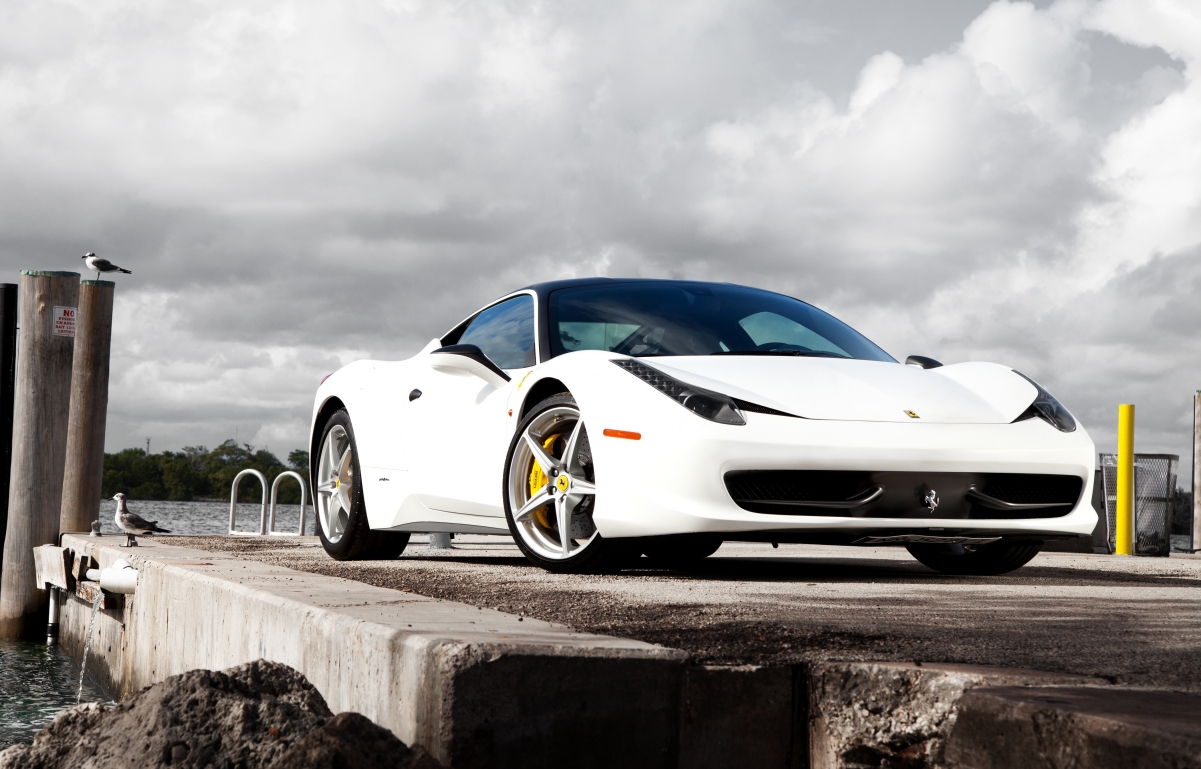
(275, 494)
(52, 624)
(1124, 524)
(233, 501)
(1195, 544)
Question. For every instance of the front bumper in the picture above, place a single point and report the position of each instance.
(671, 481)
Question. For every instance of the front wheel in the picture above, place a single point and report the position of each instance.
(341, 513)
(983, 560)
(550, 492)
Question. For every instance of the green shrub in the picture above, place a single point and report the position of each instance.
(197, 473)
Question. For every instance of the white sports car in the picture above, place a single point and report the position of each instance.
(599, 420)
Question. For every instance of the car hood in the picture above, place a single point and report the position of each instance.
(859, 390)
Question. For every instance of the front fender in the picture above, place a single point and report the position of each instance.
(612, 399)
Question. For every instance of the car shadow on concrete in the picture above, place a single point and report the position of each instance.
(852, 569)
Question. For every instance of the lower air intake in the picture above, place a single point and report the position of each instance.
(868, 494)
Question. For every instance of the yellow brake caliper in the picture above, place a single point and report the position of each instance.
(538, 479)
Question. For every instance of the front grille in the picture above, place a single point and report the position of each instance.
(797, 485)
(867, 494)
(1032, 489)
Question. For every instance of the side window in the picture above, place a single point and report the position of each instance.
(505, 332)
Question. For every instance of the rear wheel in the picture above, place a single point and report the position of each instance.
(341, 513)
(993, 558)
(550, 492)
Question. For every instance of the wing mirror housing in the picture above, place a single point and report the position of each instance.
(469, 358)
(921, 361)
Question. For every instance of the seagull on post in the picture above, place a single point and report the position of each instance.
(133, 524)
(102, 265)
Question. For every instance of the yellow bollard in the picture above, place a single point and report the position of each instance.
(1124, 526)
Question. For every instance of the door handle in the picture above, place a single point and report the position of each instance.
(414, 395)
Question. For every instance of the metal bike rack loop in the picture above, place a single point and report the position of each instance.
(233, 502)
(275, 493)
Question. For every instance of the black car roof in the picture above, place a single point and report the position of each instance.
(543, 289)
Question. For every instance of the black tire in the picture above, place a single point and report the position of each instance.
(680, 551)
(984, 560)
(358, 542)
(599, 555)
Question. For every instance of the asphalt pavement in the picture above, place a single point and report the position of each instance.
(1133, 621)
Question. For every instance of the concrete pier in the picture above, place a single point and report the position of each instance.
(479, 687)
(475, 687)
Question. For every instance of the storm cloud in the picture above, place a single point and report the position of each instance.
(297, 185)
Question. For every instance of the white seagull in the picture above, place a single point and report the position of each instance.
(133, 524)
(102, 265)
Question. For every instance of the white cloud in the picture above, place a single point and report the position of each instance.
(299, 185)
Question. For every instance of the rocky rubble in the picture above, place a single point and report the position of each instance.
(258, 715)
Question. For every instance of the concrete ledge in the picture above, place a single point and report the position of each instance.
(871, 714)
(474, 687)
(1083, 728)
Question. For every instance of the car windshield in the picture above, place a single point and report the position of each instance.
(668, 318)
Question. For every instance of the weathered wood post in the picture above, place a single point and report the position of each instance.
(89, 406)
(39, 446)
(8, 369)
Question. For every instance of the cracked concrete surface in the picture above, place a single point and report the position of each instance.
(1133, 621)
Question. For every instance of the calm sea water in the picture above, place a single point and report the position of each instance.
(39, 680)
(36, 681)
(205, 517)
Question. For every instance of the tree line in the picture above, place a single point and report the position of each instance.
(197, 473)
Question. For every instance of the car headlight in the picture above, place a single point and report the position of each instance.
(1046, 407)
(704, 403)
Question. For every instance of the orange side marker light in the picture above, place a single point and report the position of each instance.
(627, 434)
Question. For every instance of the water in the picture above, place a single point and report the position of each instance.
(205, 517)
(87, 646)
(36, 682)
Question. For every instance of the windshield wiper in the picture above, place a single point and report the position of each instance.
(792, 353)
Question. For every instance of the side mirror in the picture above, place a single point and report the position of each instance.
(469, 358)
(921, 361)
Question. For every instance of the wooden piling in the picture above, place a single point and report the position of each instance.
(84, 466)
(8, 369)
(39, 445)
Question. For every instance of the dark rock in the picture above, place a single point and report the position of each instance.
(1079, 727)
(242, 718)
(352, 741)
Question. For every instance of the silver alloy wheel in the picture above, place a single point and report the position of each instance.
(335, 483)
(555, 521)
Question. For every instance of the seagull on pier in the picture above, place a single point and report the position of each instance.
(102, 265)
(133, 524)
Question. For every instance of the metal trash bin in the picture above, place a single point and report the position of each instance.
(1154, 498)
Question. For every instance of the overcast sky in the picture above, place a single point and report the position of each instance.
(300, 184)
